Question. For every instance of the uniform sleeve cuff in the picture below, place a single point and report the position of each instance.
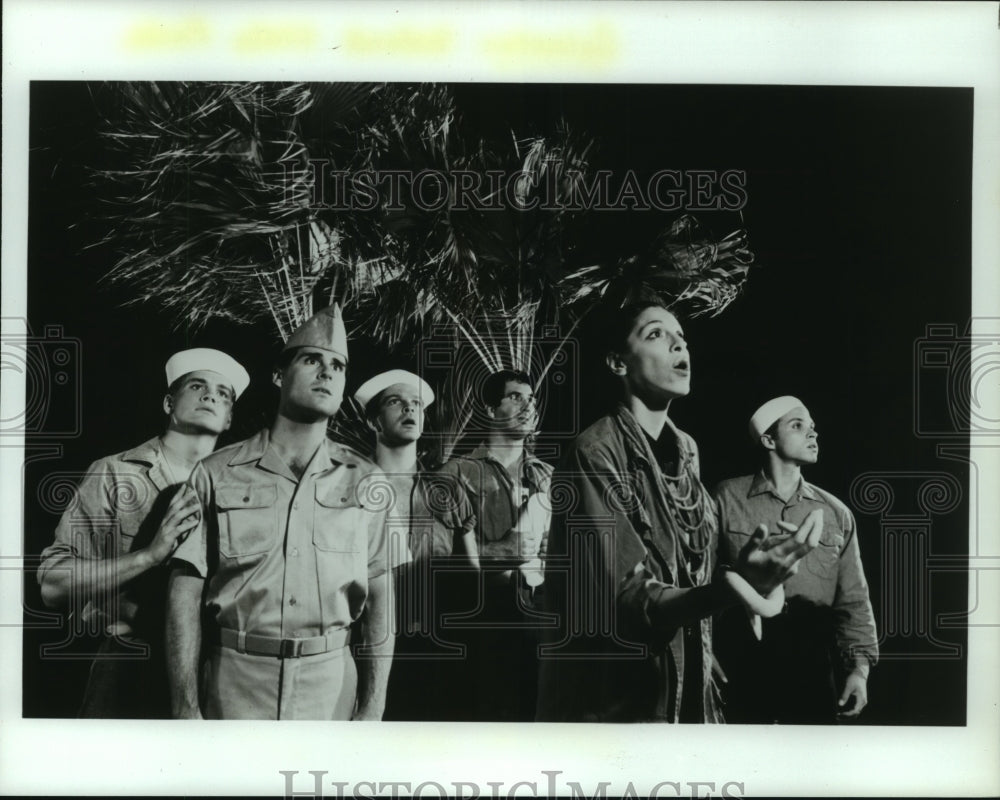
(861, 665)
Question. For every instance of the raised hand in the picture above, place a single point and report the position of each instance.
(182, 515)
(767, 563)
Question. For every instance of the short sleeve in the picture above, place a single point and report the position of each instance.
(378, 550)
(194, 548)
(448, 501)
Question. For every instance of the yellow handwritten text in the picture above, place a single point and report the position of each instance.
(184, 34)
(399, 41)
(595, 47)
(264, 37)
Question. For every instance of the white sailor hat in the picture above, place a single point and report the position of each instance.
(769, 413)
(199, 358)
(371, 387)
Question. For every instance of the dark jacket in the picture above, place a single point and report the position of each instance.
(629, 576)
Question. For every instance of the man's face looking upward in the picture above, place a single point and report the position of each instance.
(202, 402)
(516, 415)
(794, 438)
(312, 385)
(400, 416)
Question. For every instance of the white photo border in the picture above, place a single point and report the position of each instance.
(898, 44)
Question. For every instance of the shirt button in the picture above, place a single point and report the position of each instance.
(343, 499)
(295, 504)
(291, 602)
(295, 552)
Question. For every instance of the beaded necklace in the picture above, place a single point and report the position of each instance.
(686, 506)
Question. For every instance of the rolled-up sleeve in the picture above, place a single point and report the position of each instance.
(463, 516)
(493, 518)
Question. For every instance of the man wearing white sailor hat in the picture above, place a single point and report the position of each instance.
(826, 639)
(429, 518)
(394, 402)
(291, 554)
(130, 511)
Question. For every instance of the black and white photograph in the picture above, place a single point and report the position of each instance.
(501, 410)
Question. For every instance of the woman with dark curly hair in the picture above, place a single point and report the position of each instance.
(632, 575)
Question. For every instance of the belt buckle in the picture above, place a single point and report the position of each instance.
(290, 648)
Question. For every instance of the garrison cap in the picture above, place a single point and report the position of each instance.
(324, 329)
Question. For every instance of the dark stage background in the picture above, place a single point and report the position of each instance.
(858, 210)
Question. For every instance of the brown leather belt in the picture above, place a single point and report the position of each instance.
(244, 642)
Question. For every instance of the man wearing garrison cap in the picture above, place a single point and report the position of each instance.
(431, 524)
(817, 654)
(290, 557)
(126, 518)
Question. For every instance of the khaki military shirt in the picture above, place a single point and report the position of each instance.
(287, 557)
(831, 575)
(116, 509)
(498, 497)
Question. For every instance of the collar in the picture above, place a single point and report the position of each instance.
(258, 449)
(481, 453)
(148, 453)
(761, 484)
(251, 449)
(532, 471)
(639, 450)
(528, 459)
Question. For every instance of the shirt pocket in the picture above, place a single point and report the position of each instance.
(731, 542)
(138, 508)
(248, 519)
(340, 538)
(825, 559)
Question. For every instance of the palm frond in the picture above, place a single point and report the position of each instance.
(686, 268)
(212, 200)
(350, 427)
(490, 268)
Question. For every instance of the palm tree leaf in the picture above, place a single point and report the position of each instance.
(686, 268)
